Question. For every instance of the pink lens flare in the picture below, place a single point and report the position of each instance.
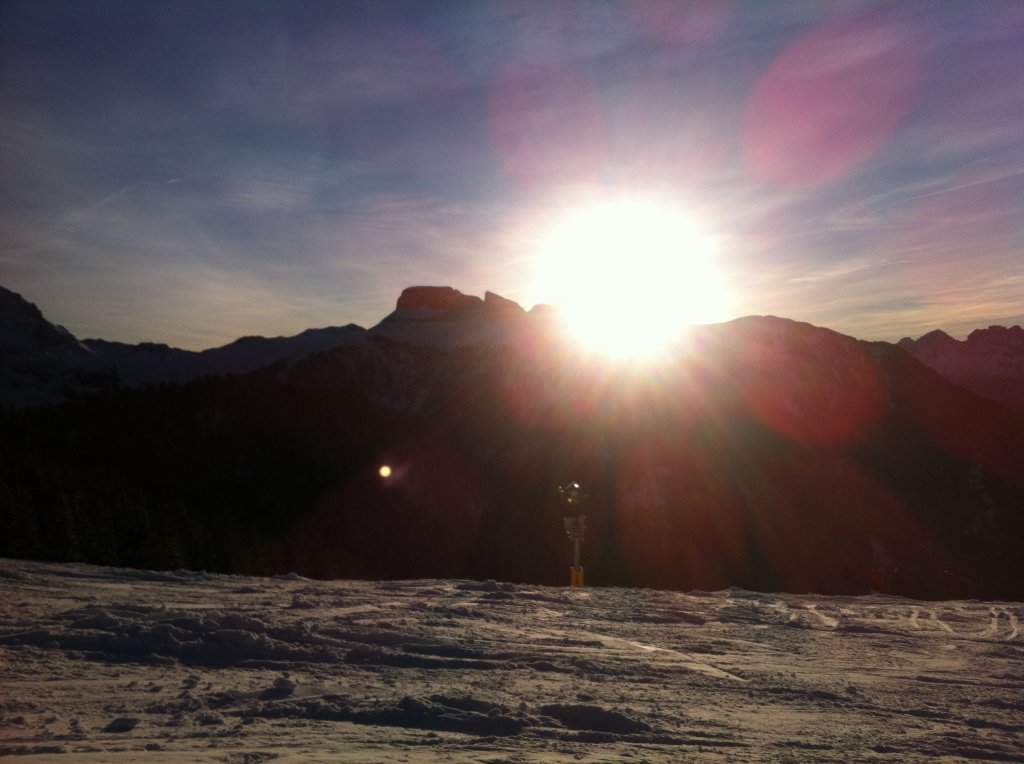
(832, 99)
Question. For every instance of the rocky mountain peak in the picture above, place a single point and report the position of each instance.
(12, 303)
(22, 325)
(497, 303)
(454, 304)
(933, 341)
(998, 337)
(443, 298)
(990, 362)
(445, 317)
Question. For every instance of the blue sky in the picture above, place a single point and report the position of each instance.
(190, 172)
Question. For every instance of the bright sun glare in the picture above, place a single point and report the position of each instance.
(630, 277)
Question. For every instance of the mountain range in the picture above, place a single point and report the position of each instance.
(767, 453)
(990, 362)
(43, 364)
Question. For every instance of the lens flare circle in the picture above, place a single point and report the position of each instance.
(630, 276)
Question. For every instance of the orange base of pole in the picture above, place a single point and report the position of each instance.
(576, 576)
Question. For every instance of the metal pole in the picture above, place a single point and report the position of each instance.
(576, 574)
(574, 496)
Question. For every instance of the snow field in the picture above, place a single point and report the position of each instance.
(98, 664)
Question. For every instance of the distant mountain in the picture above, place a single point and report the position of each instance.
(149, 363)
(43, 364)
(990, 362)
(444, 317)
(768, 454)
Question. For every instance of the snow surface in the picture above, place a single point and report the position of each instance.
(100, 664)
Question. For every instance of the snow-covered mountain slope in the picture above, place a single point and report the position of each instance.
(107, 665)
(990, 362)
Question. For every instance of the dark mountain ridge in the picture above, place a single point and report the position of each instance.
(768, 454)
(149, 363)
(43, 364)
(990, 362)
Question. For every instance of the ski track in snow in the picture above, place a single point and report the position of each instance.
(99, 664)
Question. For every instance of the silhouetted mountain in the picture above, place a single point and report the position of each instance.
(990, 362)
(768, 454)
(43, 364)
(149, 363)
(444, 317)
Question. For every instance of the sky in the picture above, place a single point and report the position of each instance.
(190, 171)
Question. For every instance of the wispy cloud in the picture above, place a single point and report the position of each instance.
(846, 268)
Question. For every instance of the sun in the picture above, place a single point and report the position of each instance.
(630, 276)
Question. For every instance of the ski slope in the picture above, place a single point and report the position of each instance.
(100, 664)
